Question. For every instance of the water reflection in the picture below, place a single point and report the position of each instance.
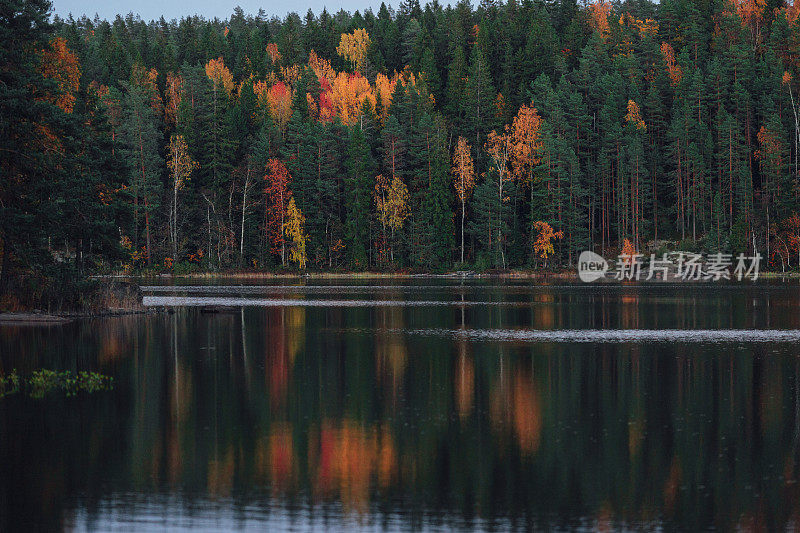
(348, 417)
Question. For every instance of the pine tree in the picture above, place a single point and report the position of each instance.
(434, 222)
(358, 185)
(139, 138)
(456, 88)
(479, 98)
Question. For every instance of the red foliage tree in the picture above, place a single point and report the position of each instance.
(278, 195)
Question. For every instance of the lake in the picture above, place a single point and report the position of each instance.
(424, 404)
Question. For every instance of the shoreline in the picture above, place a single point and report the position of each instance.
(33, 318)
(571, 275)
(461, 274)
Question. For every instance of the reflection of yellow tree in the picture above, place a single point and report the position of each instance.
(295, 319)
(672, 485)
(181, 396)
(220, 474)
(390, 349)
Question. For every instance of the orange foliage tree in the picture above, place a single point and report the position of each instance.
(219, 75)
(634, 116)
(61, 65)
(674, 70)
(148, 80)
(543, 243)
(348, 93)
(384, 87)
(788, 237)
(526, 143)
(279, 101)
(463, 179)
(751, 13)
(598, 13)
(173, 92)
(321, 67)
(273, 53)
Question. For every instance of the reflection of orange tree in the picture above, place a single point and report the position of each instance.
(345, 458)
(180, 405)
(464, 381)
(545, 316)
(516, 406)
(629, 311)
(117, 339)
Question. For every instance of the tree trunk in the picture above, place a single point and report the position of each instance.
(244, 210)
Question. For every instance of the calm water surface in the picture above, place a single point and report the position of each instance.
(423, 405)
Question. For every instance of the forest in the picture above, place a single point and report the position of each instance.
(419, 139)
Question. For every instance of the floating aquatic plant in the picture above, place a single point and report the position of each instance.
(44, 381)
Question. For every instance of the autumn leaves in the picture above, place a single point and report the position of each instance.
(283, 219)
(515, 152)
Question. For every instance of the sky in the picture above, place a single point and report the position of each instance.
(153, 9)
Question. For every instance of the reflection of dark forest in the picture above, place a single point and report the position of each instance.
(348, 407)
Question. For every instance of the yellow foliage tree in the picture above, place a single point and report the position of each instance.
(391, 201)
(353, 47)
(499, 146)
(294, 229)
(181, 165)
(463, 179)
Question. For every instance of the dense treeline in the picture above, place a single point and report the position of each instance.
(506, 135)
